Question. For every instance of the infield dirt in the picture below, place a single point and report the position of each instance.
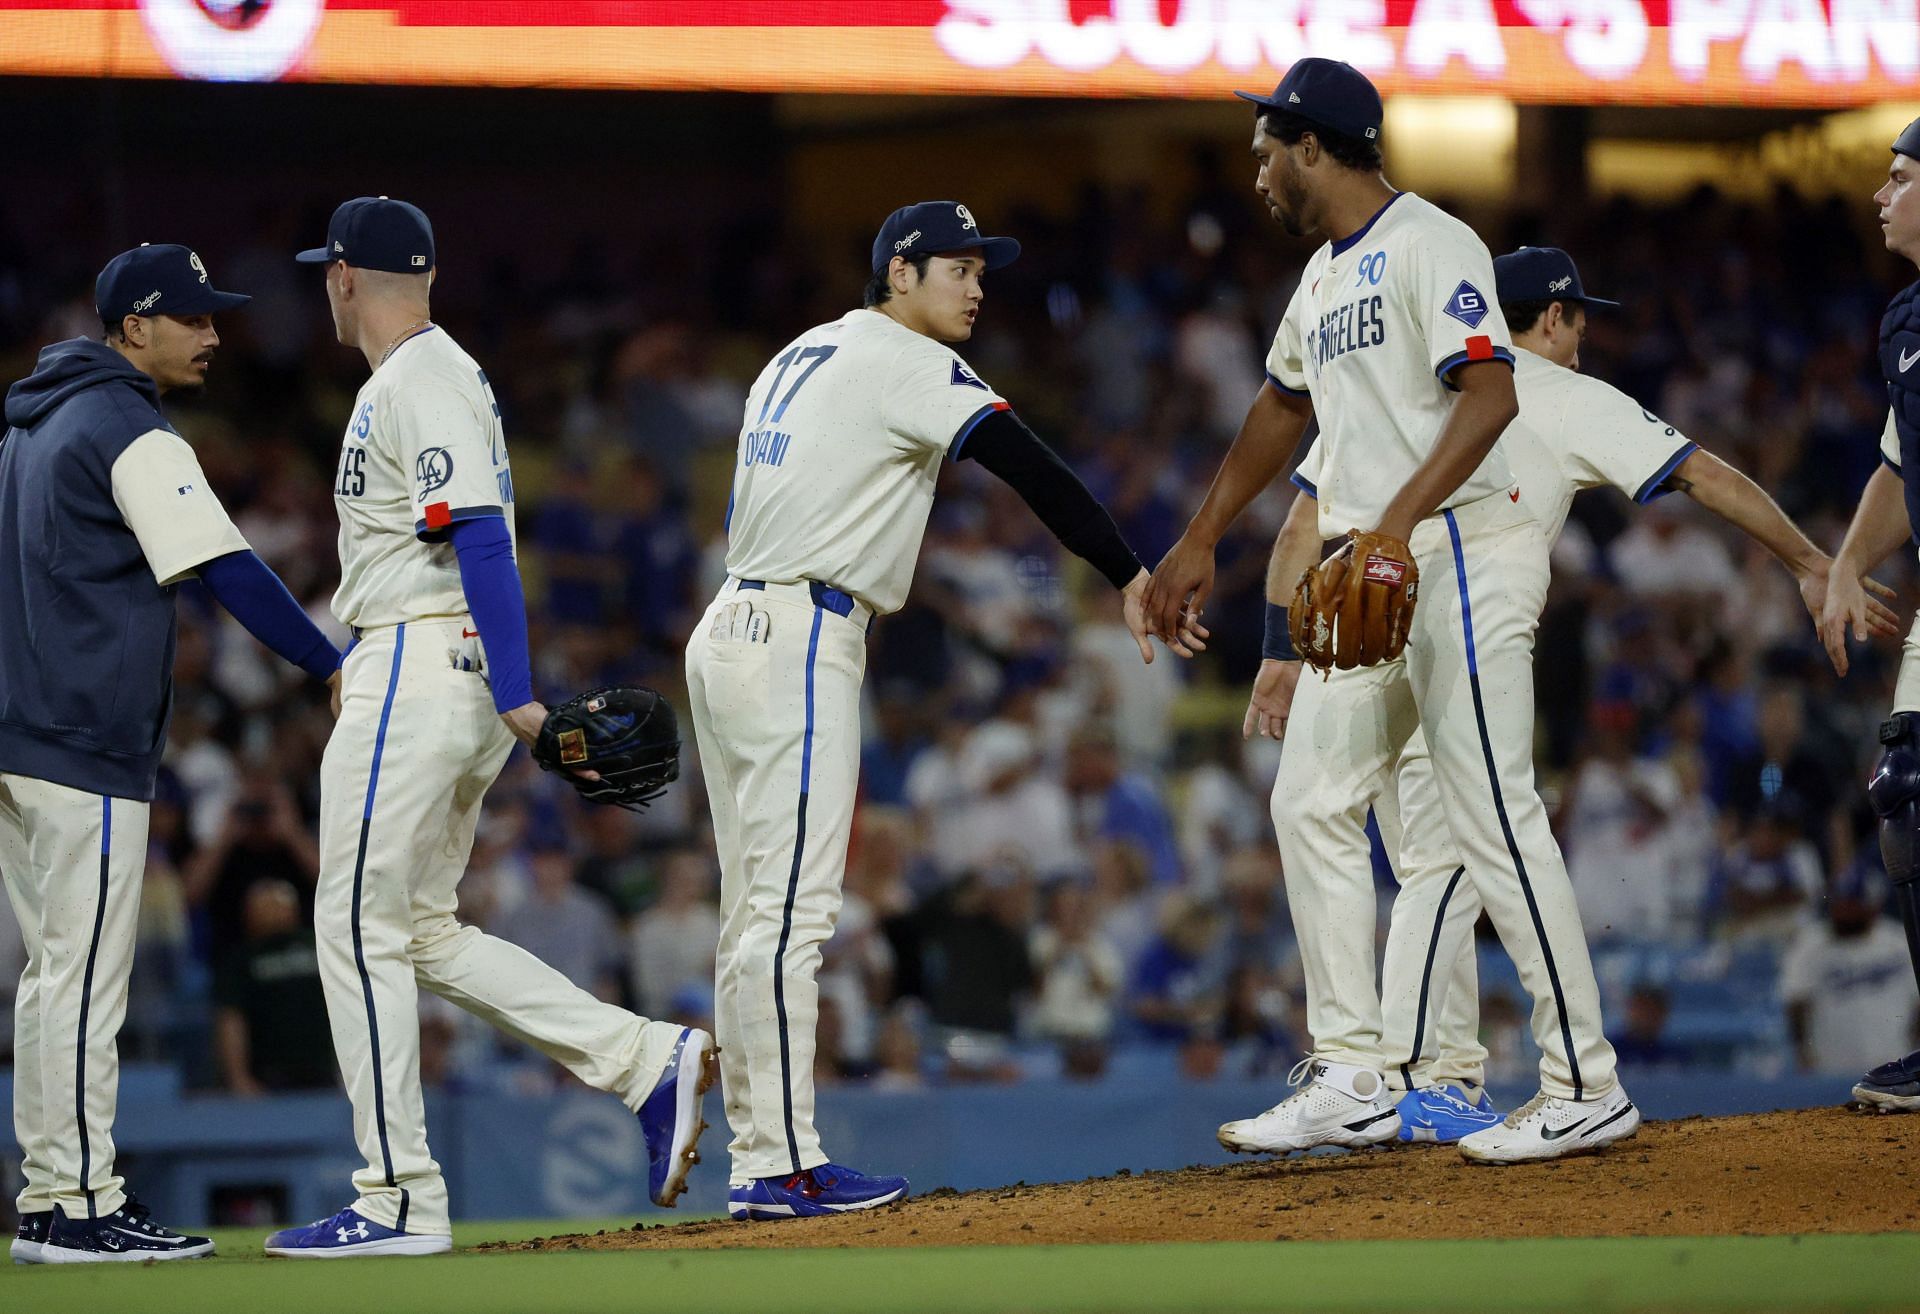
(1819, 1170)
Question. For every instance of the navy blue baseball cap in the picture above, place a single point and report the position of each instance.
(935, 227)
(1540, 273)
(376, 232)
(158, 280)
(1908, 142)
(1329, 92)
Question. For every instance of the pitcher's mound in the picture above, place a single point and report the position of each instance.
(1818, 1170)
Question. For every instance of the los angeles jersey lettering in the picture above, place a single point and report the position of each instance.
(424, 448)
(1374, 332)
(843, 437)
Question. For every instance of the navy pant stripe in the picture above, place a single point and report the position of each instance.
(359, 950)
(793, 889)
(1426, 979)
(86, 1002)
(1500, 809)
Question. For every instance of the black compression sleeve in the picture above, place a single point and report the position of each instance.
(1002, 444)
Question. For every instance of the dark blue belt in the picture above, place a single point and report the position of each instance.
(825, 597)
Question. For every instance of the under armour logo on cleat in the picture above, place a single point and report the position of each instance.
(358, 1232)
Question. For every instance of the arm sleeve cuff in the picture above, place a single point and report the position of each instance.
(1652, 489)
(253, 595)
(1305, 485)
(1281, 387)
(491, 581)
(1276, 642)
(1890, 463)
(1444, 370)
(437, 518)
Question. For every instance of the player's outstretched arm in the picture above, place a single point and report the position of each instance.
(1481, 413)
(1263, 448)
(1002, 444)
(1295, 549)
(253, 595)
(1743, 504)
(1879, 526)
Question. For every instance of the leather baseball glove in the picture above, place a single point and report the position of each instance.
(628, 735)
(1355, 608)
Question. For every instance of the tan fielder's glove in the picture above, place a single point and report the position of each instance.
(1355, 608)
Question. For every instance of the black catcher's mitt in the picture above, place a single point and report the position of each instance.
(629, 736)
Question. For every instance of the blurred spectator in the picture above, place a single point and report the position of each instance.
(1079, 975)
(613, 866)
(570, 929)
(1613, 823)
(263, 839)
(976, 966)
(1847, 982)
(1786, 764)
(1763, 884)
(895, 740)
(1178, 990)
(1010, 811)
(1111, 804)
(673, 942)
(1641, 1039)
(269, 1003)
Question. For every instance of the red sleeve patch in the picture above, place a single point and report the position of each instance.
(439, 515)
(1480, 347)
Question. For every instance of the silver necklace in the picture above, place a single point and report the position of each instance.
(418, 326)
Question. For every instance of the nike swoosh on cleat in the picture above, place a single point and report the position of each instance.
(1365, 1123)
(1549, 1134)
(1907, 361)
(1616, 1117)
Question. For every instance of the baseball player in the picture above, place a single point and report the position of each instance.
(104, 511)
(1394, 343)
(1889, 512)
(843, 440)
(436, 689)
(1574, 432)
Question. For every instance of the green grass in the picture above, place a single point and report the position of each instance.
(1832, 1273)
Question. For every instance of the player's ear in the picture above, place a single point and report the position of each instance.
(134, 329)
(897, 274)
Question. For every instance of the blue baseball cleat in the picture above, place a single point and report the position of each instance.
(30, 1236)
(670, 1118)
(827, 1189)
(1439, 1115)
(347, 1234)
(128, 1235)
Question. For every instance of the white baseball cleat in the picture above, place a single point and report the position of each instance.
(1338, 1104)
(1548, 1127)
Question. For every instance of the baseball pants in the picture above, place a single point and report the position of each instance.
(73, 864)
(1467, 677)
(416, 746)
(776, 709)
(1429, 980)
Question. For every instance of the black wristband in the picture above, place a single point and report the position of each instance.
(1276, 644)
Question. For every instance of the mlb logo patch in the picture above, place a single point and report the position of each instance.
(964, 376)
(1467, 305)
(1379, 570)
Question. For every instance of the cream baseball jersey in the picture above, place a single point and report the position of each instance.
(164, 497)
(1574, 432)
(842, 442)
(1380, 321)
(424, 448)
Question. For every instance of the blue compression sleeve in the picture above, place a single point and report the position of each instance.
(247, 587)
(492, 583)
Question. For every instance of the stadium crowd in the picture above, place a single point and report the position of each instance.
(1062, 861)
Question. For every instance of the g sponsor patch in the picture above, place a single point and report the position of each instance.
(1467, 305)
(964, 376)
